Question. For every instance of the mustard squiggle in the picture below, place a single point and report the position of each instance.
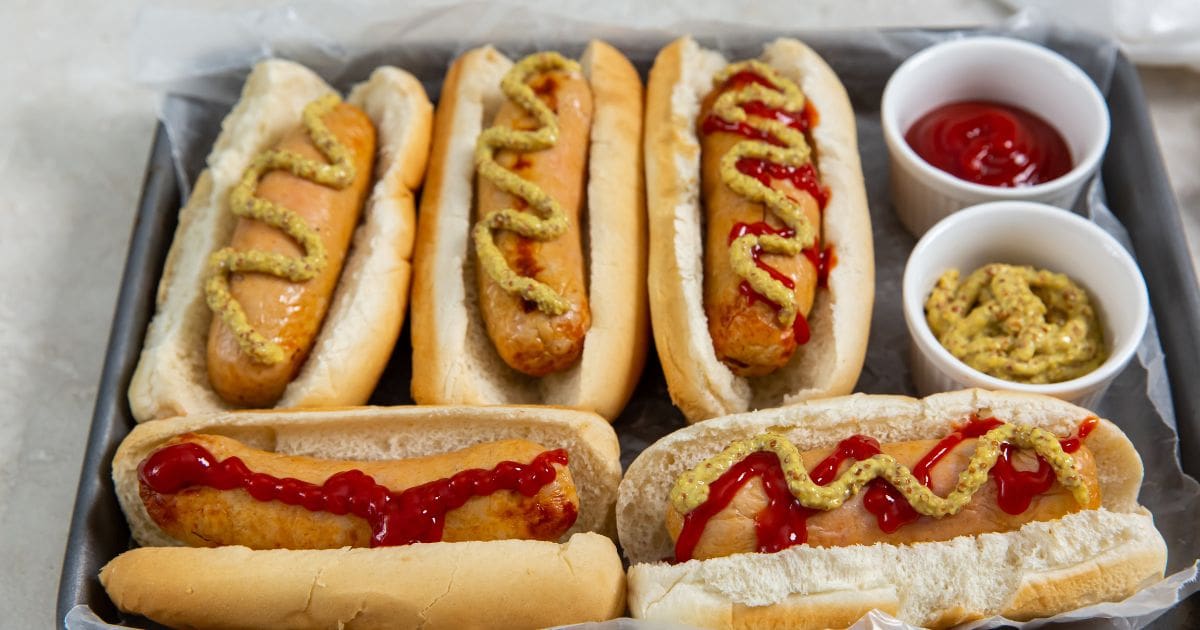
(692, 487)
(547, 221)
(338, 173)
(795, 152)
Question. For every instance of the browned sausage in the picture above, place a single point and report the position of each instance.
(290, 313)
(529, 340)
(747, 335)
(733, 529)
(203, 516)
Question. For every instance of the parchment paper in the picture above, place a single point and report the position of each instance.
(199, 60)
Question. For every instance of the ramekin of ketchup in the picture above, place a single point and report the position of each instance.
(984, 119)
(990, 143)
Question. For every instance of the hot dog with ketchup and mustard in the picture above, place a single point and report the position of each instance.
(762, 274)
(959, 506)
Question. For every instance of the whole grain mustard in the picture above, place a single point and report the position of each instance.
(1017, 323)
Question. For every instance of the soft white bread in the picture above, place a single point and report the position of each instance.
(383, 433)
(367, 310)
(840, 319)
(1039, 570)
(497, 584)
(459, 364)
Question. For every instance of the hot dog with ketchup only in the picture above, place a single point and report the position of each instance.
(310, 518)
(762, 275)
(938, 511)
(287, 280)
(531, 247)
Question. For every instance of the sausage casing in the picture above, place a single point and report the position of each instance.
(529, 340)
(733, 529)
(285, 312)
(207, 517)
(747, 334)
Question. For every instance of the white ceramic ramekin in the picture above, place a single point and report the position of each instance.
(998, 69)
(1025, 233)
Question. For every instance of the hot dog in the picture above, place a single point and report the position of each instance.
(261, 497)
(887, 496)
(772, 304)
(275, 293)
(531, 243)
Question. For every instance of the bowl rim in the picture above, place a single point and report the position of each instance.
(900, 148)
(941, 358)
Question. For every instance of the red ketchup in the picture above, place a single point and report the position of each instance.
(990, 143)
(802, 177)
(396, 518)
(784, 522)
(799, 325)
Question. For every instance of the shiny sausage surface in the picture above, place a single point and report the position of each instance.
(529, 340)
(747, 335)
(290, 313)
(202, 516)
(732, 530)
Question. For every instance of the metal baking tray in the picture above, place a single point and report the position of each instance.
(1135, 185)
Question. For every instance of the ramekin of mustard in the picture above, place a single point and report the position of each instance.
(1022, 296)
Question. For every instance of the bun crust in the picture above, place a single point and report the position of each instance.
(828, 365)
(496, 584)
(459, 363)
(1041, 569)
(367, 308)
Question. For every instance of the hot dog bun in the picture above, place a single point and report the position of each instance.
(368, 304)
(495, 584)
(1038, 570)
(459, 363)
(829, 364)
(444, 584)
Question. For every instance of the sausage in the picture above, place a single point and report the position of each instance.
(747, 334)
(732, 530)
(204, 516)
(290, 313)
(528, 339)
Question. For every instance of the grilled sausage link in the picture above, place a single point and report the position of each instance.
(285, 312)
(732, 530)
(747, 334)
(203, 516)
(529, 340)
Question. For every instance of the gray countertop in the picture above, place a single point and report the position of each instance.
(75, 131)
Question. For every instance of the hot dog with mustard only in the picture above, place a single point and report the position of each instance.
(956, 507)
(531, 247)
(287, 280)
(762, 276)
(308, 519)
